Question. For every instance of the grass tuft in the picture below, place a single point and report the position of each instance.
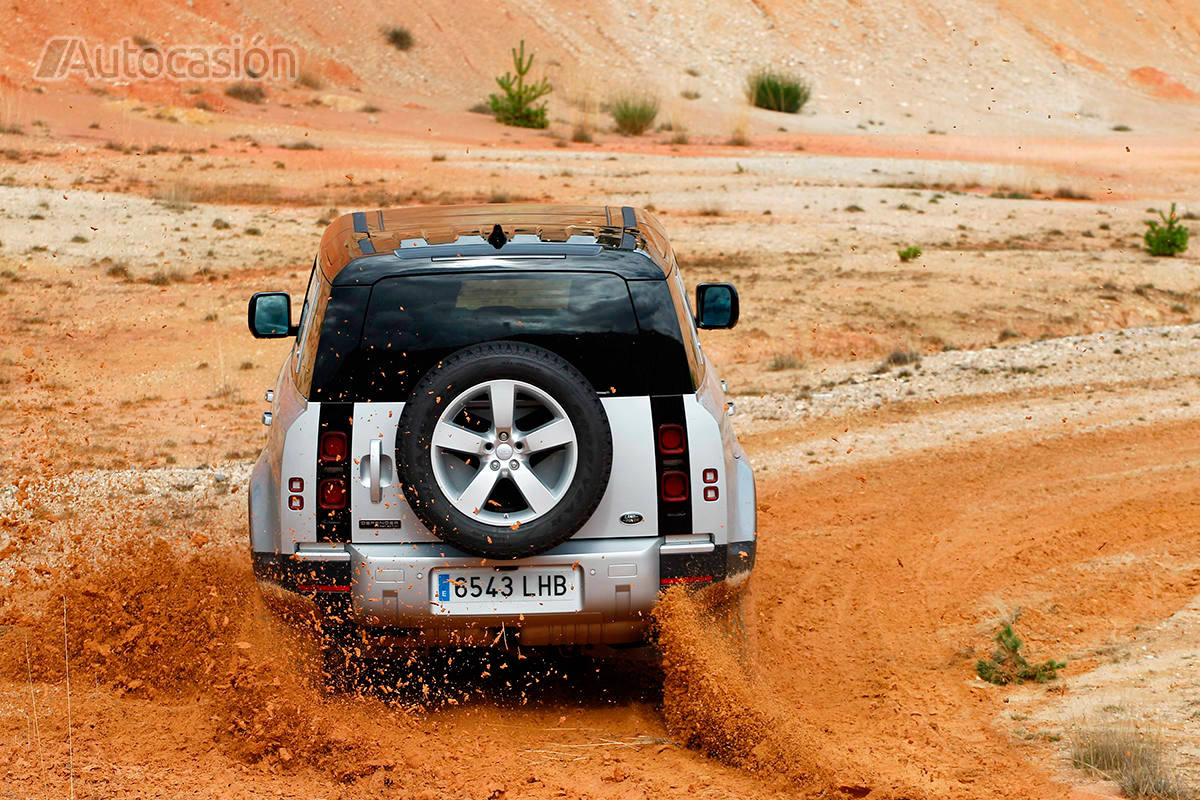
(634, 113)
(1133, 759)
(399, 37)
(247, 92)
(909, 253)
(309, 80)
(784, 361)
(777, 91)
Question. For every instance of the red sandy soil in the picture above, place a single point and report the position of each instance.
(849, 671)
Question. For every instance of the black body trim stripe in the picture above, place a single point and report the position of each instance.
(628, 217)
(298, 575)
(333, 525)
(673, 517)
(360, 221)
(365, 246)
(693, 567)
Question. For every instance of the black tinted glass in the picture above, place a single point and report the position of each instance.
(271, 314)
(717, 309)
(414, 321)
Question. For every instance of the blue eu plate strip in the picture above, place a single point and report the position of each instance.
(443, 587)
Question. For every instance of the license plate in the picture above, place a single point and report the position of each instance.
(488, 590)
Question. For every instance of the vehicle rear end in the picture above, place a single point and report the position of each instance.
(482, 444)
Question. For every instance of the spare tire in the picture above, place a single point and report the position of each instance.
(504, 450)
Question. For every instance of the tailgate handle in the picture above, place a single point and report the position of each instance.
(373, 469)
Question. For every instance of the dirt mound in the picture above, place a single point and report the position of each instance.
(171, 626)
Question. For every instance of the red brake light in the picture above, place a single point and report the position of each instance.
(331, 493)
(671, 439)
(674, 486)
(332, 446)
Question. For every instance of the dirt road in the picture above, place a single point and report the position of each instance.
(877, 587)
(907, 509)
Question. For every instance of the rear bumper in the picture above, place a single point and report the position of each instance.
(388, 587)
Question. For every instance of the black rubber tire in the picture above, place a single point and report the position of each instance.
(504, 360)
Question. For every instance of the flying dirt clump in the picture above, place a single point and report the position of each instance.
(161, 623)
(714, 701)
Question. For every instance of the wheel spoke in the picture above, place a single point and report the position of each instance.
(479, 489)
(503, 396)
(449, 436)
(552, 434)
(535, 492)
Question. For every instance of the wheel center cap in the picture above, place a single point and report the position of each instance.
(504, 452)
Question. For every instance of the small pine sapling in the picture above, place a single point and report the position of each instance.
(1006, 665)
(516, 107)
(1168, 239)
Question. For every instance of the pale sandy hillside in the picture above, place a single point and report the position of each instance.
(967, 66)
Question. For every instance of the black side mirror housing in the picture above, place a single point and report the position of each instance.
(716, 306)
(270, 315)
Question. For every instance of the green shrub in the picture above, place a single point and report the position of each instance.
(516, 107)
(634, 113)
(777, 91)
(247, 92)
(399, 37)
(909, 253)
(1167, 239)
(1006, 664)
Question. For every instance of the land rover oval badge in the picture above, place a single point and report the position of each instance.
(631, 518)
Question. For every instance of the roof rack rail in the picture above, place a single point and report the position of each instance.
(628, 221)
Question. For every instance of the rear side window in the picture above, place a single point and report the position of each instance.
(414, 321)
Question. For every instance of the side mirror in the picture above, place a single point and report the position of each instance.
(270, 315)
(716, 305)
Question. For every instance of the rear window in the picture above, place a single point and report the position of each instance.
(414, 321)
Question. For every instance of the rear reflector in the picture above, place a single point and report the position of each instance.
(671, 439)
(674, 486)
(296, 502)
(711, 493)
(331, 493)
(688, 579)
(332, 446)
(709, 475)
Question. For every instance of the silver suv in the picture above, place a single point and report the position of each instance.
(496, 423)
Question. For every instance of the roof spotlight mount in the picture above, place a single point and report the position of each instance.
(496, 238)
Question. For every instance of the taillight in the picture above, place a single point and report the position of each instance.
(671, 439)
(332, 446)
(674, 486)
(331, 493)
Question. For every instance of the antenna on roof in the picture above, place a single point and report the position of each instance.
(496, 238)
